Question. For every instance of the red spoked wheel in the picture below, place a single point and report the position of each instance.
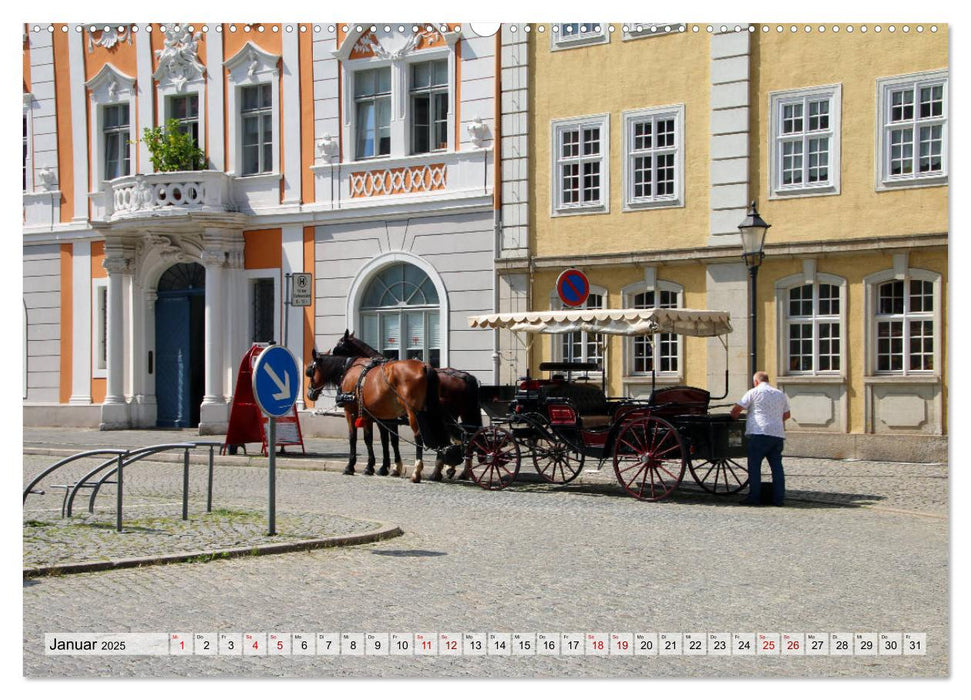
(720, 476)
(492, 457)
(556, 461)
(649, 458)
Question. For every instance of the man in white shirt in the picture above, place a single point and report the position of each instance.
(767, 410)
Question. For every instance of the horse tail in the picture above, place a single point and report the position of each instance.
(432, 420)
(471, 415)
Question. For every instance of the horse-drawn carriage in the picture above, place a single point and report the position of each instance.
(557, 422)
(554, 423)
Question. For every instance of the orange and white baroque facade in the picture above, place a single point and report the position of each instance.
(363, 155)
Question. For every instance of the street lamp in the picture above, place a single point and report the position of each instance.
(753, 231)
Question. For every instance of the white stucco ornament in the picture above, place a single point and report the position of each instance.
(47, 178)
(178, 60)
(109, 37)
(328, 148)
(478, 132)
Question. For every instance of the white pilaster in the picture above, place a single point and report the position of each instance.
(214, 416)
(214, 259)
(293, 322)
(291, 112)
(215, 143)
(81, 311)
(235, 315)
(79, 111)
(730, 127)
(115, 411)
(146, 98)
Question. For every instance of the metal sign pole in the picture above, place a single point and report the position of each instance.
(271, 447)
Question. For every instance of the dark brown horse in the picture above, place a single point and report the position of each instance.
(458, 392)
(385, 391)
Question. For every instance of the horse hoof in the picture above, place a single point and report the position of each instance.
(435, 477)
(349, 471)
(450, 472)
(416, 479)
(395, 473)
(383, 471)
(369, 471)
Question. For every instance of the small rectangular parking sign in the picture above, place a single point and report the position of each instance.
(302, 290)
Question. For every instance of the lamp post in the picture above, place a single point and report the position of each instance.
(753, 231)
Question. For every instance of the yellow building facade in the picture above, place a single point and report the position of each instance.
(645, 145)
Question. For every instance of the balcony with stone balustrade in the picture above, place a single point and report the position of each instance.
(158, 197)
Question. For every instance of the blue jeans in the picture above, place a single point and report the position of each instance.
(765, 447)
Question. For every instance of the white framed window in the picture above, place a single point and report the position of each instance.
(398, 93)
(581, 346)
(99, 327)
(184, 109)
(661, 352)
(567, 35)
(28, 175)
(372, 106)
(115, 128)
(812, 322)
(253, 102)
(428, 88)
(28, 142)
(256, 121)
(581, 175)
(654, 157)
(904, 317)
(400, 314)
(805, 141)
(640, 30)
(912, 123)
(112, 96)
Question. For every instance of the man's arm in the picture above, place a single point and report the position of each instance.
(785, 416)
(737, 411)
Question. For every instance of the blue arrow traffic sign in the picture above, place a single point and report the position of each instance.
(276, 381)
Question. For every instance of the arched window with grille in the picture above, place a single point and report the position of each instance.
(812, 315)
(905, 316)
(661, 352)
(400, 314)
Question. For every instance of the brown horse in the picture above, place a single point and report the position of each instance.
(386, 392)
(458, 392)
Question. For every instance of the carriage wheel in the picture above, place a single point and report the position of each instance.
(720, 476)
(556, 461)
(649, 458)
(492, 457)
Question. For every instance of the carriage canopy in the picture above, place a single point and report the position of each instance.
(693, 322)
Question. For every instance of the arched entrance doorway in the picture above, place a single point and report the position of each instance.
(180, 345)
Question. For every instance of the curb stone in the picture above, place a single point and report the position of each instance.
(383, 533)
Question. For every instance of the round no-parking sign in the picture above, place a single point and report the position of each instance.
(572, 287)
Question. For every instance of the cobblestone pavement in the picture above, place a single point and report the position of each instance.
(863, 548)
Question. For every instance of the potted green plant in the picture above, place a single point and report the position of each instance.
(172, 149)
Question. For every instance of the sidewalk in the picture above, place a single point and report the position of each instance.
(153, 532)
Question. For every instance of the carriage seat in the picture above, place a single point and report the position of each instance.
(680, 401)
(589, 400)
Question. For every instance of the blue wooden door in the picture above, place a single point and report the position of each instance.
(172, 364)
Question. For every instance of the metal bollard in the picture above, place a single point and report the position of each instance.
(119, 496)
(209, 491)
(185, 485)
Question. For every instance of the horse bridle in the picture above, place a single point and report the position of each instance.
(313, 392)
